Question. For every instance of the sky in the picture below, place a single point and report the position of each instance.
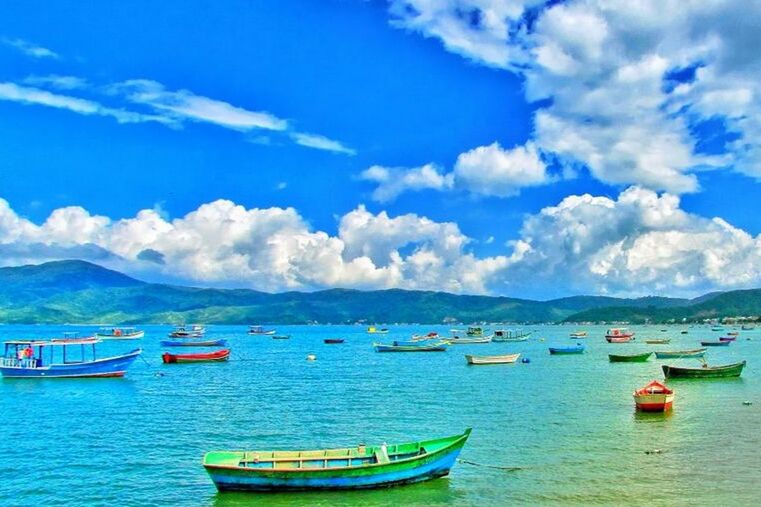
(532, 149)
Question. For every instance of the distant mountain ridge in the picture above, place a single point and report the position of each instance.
(81, 292)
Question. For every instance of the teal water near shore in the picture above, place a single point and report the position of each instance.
(568, 422)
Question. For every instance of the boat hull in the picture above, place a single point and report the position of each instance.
(211, 357)
(566, 351)
(333, 341)
(130, 336)
(679, 354)
(716, 344)
(726, 371)
(438, 347)
(654, 402)
(193, 343)
(619, 339)
(633, 358)
(483, 360)
(107, 367)
(658, 342)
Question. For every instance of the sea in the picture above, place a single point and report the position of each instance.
(556, 430)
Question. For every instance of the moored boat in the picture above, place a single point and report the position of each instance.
(475, 331)
(677, 354)
(281, 337)
(504, 359)
(375, 330)
(705, 371)
(576, 349)
(193, 343)
(654, 397)
(423, 337)
(194, 331)
(629, 358)
(439, 346)
(261, 330)
(467, 340)
(204, 357)
(727, 338)
(510, 335)
(578, 334)
(717, 343)
(661, 341)
(119, 333)
(48, 359)
(717, 328)
(732, 333)
(359, 467)
(333, 341)
(619, 335)
(746, 327)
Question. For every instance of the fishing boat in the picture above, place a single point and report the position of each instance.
(61, 358)
(206, 357)
(727, 338)
(509, 335)
(194, 331)
(505, 359)
(705, 371)
(579, 334)
(194, 343)
(717, 343)
(661, 341)
(439, 346)
(630, 358)
(119, 333)
(330, 341)
(359, 467)
(619, 335)
(375, 330)
(654, 397)
(677, 354)
(576, 349)
(261, 330)
(281, 337)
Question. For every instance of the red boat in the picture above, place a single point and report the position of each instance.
(619, 335)
(333, 340)
(217, 355)
(654, 397)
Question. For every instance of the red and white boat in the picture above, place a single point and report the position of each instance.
(619, 335)
(205, 357)
(654, 397)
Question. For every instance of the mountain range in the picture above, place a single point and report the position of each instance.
(81, 292)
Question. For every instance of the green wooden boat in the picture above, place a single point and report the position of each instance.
(358, 467)
(724, 371)
(629, 358)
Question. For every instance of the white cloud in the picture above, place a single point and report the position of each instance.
(319, 142)
(608, 68)
(393, 181)
(30, 49)
(29, 95)
(56, 81)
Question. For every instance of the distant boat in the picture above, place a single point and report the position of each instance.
(661, 341)
(654, 397)
(684, 332)
(677, 354)
(746, 327)
(281, 337)
(194, 331)
(727, 370)
(505, 359)
(194, 343)
(630, 358)
(579, 334)
(717, 328)
(439, 346)
(619, 335)
(459, 340)
(732, 333)
(475, 331)
(727, 338)
(576, 349)
(260, 330)
(333, 340)
(718, 343)
(48, 359)
(359, 467)
(119, 333)
(216, 356)
(423, 337)
(509, 335)
(375, 330)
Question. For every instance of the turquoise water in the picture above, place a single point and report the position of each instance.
(568, 422)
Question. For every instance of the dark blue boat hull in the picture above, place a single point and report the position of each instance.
(107, 367)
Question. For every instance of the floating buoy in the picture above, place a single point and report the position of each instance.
(311, 357)
(746, 403)
(525, 360)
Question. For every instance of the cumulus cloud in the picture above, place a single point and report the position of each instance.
(625, 86)
(29, 48)
(393, 181)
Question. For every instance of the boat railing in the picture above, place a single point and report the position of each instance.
(13, 362)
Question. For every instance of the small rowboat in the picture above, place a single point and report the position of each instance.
(727, 338)
(619, 335)
(333, 340)
(359, 467)
(578, 349)
(661, 341)
(440, 346)
(677, 354)
(654, 397)
(715, 344)
(506, 359)
(724, 371)
(629, 358)
(579, 334)
(216, 356)
(459, 340)
(193, 343)
(281, 336)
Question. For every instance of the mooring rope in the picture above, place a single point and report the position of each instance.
(483, 465)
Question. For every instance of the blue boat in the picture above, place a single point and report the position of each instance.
(194, 343)
(61, 358)
(715, 343)
(576, 349)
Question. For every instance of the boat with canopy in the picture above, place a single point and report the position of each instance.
(119, 333)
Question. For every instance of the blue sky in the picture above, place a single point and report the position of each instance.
(468, 146)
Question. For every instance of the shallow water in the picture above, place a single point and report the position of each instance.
(568, 422)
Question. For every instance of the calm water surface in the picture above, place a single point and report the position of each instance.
(567, 422)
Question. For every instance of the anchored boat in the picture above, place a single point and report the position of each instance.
(119, 333)
(194, 343)
(206, 357)
(439, 346)
(61, 358)
(619, 335)
(375, 330)
(658, 341)
(509, 335)
(727, 370)
(629, 358)
(261, 331)
(505, 359)
(359, 467)
(677, 354)
(194, 331)
(333, 341)
(577, 349)
(654, 397)
(719, 343)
